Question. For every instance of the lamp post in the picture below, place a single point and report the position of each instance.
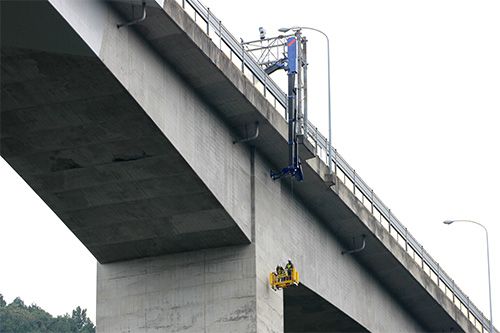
(448, 222)
(329, 90)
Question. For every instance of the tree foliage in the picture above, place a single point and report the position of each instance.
(16, 317)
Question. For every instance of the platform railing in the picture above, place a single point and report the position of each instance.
(233, 48)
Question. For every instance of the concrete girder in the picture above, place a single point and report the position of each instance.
(173, 37)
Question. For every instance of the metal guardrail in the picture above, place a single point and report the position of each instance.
(237, 49)
(402, 231)
(205, 18)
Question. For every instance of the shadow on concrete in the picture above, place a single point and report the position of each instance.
(306, 311)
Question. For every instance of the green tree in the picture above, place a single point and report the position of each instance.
(19, 318)
(18, 302)
(82, 322)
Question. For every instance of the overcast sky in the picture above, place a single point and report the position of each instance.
(416, 101)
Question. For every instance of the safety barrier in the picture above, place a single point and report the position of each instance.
(228, 44)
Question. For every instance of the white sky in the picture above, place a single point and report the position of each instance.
(416, 101)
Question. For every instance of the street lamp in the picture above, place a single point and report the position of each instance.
(448, 222)
(329, 90)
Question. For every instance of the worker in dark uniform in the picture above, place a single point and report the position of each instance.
(289, 268)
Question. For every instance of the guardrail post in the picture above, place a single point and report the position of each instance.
(406, 241)
(422, 255)
(183, 4)
(326, 151)
(389, 220)
(453, 292)
(220, 35)
(438, 273)
(208, 21)
(242, 57)
(354, 183)
(335, 163)
(316, 140)
(371, 199)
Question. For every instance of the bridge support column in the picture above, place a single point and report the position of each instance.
(201, 291)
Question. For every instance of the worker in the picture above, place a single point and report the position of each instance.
(274, 279)
(280, 272)
(289, 268)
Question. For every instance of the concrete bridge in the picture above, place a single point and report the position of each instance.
(127, 134)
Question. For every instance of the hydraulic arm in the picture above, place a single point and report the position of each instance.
(294, 168)
(287, 53)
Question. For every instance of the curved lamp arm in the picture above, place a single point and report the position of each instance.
(448, 222)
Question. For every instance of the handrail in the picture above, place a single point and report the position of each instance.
(237, 49)
(402, 230)
(321, 142)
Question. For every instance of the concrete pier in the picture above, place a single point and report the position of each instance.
(200, 291)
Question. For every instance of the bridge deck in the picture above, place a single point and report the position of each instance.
(126, 186)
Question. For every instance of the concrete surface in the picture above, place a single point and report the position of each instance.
(127, 135)
(202, 291)
(91, 153)
(306, 311)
